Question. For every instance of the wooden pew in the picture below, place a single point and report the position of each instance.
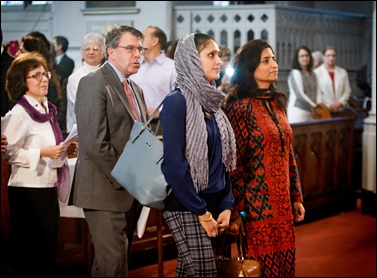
(324, 155)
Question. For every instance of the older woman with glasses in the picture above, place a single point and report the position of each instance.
(37, 42)
(92, 55)
(34, 138)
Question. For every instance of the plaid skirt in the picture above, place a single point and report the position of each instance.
(195, 252)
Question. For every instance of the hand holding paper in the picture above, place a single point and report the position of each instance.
(59, 162)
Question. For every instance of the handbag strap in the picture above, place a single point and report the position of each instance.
(157, 126)
(241, 247)
(154, 113)
(144, 126)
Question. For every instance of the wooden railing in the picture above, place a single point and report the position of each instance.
(284, 27)
(324, 155)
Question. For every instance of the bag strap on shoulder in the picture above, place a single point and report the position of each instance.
(145, 125)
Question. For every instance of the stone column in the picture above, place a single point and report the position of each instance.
(369, 140)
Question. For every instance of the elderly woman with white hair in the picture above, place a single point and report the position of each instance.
(92, 53)
(317, 58)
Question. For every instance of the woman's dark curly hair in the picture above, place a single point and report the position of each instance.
(16, 76)
(243, 83)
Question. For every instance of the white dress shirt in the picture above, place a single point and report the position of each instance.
(25, 139)
(156, 79)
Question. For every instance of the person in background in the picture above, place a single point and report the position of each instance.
(6, 60)
(13, 47)
(37, 41)
(34, 139)
(333, 81)
(104, 115)
(225, 57)
(65, 64)
(199, 151)
(317, 59)
(304, 90)
(92, 54)
(6, 105)
(171, 46)
(157, 73)
(62, 101)
(364, 79)
(266, 184)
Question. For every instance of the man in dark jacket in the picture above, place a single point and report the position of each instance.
(65, 65)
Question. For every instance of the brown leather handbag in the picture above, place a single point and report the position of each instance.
(237, 267)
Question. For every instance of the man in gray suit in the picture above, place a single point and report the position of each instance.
(104, 122)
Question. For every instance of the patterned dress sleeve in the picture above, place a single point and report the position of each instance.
(238, 117)
(295, 184)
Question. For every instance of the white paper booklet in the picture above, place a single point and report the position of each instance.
(59, 162)
(142, 222)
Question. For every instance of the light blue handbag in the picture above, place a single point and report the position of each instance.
(138, 169)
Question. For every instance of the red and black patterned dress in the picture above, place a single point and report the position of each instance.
(265, 182)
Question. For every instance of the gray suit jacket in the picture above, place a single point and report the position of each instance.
(104, 125)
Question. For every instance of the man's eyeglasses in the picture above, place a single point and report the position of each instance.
(132, 49)
(39, 75)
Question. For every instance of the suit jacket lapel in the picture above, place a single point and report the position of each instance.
(117, 86)
(329, 87)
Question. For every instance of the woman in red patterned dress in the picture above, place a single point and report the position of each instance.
(266, 184)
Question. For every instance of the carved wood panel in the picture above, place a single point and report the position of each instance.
(324, 155)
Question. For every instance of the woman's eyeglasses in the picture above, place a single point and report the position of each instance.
(94, 49)
(39, 75)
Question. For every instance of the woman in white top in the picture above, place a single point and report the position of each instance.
(304, 91)
(92, 53)
(334, 81)
(34, 137)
